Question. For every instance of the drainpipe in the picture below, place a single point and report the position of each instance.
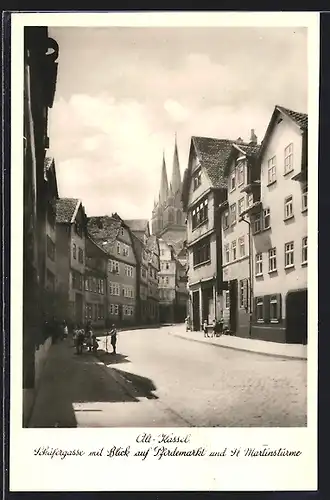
(250, 277)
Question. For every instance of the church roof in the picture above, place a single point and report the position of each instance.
(163, 191)
(176, 174)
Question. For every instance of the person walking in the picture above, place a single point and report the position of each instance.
(113, 340)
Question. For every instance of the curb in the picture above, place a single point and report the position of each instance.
(274, 355)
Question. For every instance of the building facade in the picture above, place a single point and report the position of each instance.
(236, 238)
(153, 271)
(71, 233)
(115, 238)
(51, 196)
(96, 266)
(40, 73)
(279, 231)
(205, 189)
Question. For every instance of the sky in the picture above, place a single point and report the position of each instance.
(123, 93)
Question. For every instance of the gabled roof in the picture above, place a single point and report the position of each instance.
(213, 154)
(50, 175)
(249, 150)
(300, 119)
(137, 224)
(104, 230)
(66, 209)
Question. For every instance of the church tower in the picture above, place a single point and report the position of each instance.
(168, 218)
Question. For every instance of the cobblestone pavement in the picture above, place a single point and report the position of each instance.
(159, 380)
(213, 386)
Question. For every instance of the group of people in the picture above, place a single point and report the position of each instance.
(86, 337)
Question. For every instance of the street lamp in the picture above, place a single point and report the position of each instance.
(242, 218)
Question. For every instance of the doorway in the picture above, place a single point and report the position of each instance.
(196, 313)
(296, 317)
(79, 308)
(233, 301)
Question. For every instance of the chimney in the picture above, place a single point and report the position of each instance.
(254, 138)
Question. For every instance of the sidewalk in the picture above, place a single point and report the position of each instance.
(294, 351)
(74, 391)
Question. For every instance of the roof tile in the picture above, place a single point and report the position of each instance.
(300, 118)
(65, 208)
(104, 230)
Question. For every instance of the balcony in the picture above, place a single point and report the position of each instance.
(252, 209)
(251, 187)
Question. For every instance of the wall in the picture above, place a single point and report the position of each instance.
(62, 268)
(282, 231)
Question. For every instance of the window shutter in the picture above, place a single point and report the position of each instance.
(279, 307)
(266, 308)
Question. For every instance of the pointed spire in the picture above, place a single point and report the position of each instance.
(163, 192)
(176, 174)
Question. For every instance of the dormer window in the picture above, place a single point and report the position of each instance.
(197, 179)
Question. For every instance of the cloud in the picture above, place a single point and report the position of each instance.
(176, 111)
(115, 111)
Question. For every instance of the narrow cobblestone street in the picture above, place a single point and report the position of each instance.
(157, 379)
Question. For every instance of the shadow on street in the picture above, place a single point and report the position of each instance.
(141, 386)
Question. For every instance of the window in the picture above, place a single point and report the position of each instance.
(114, 288)
(114, 309)
(241, 244)
(50, 248)
(257, 223)
(304, 198)
(226, 220)
(86, 284)
(304, 250)
(288, 159)
(200, 213)
(258, 264)
(260, 309)
(128, 270)
(77, 280)
(201, 252)
(114, 267)
(102, 286)
(232, 181)
(272, 170)
(266, 218)
(122, 231)
(74, 251)
(100, 311)
(227, 255)
(233, 214)
(240, 174)
(240, 206)
(233, 250)
(118, 248)
(273, 309)
(289, 254)
(125, 250)
(249, 199)
(166, 280)
(288, 208)
(81, 255)
(227, 299)
(272, 263)
(197, 179)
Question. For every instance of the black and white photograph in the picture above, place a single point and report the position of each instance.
(165, 221)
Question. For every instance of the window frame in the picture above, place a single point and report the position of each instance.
(240, 246)
(271, 170)
(239, 208)
(304, 198)
(288, 202)
(287, 252)
(288, 155)
(197, 178)
(304, 248)
(272, 257)
(259, 302)
(233, 214)
(233, 248)
(259, 264)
